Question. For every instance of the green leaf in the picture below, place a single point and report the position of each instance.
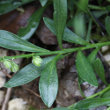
(83, 5)
(79, 25)
(99, 69)
(88, 36)
(33, 23)
(60, 17)
(68, 36)
(9, 5)
(48, 85)
(85, 70)
(27, 74)
(108, 7)
(92, 56)
(91, 103)
(62, 108)
(11, 41)
(71, 5)
(98, 14)
(107, 24)
(80, 80)
(106, 94)
(43, 2)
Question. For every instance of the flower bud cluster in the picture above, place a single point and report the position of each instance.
(11, 65)
(36, 60)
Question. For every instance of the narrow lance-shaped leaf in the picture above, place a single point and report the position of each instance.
(92, 56)
(9, 5)
(107, 24)
(48, 85)
(11, 41)
(89, 30)
(27, 74)
(82, 5)
(68, 36)
(98, 14)
(43, 2)
(60, 17)
(91, 103)
(79, 25)
(85, 70)
(106, 94)
(99, 69)
(33, 23)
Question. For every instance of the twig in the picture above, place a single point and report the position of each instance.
(5, 71)
(32, 92)
(8, 75)
(7, 97)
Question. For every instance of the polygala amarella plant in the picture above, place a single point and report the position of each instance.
(76, 14)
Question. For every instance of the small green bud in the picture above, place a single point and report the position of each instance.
(14, 67)
(7, 63)
(37, 61)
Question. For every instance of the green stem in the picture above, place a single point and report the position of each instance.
(64, 51)
(99, 93)
(92, 96)
(89, 30)
(96, 7)
(90, 14)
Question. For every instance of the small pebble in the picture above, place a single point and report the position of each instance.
(17, 104)
(104, 48)
(89, 89)
(107, 58)
(2, 82)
